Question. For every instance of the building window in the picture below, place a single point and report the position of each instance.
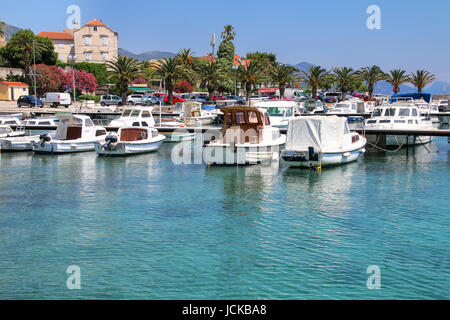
(61, 57)
(95, 28)
(105, 40)
(87, 40)
(87, 56)
(105, 56)
(61, 45)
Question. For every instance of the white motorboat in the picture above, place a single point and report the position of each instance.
(313, 107)
(247, 137)
(6, 134)
(75, 133)
(134, 117)
(19, 143)
(129, 141)
(318, 141)
(194, 115)
(9, 121)
(398, 116)
(280, 111)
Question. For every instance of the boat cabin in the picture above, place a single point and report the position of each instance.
(5, 131)
(278, 108)
(77, 127)
(11, 121)
(247, 121)
(136, 134)
(135, 117)
(395, 113)
(41, 121)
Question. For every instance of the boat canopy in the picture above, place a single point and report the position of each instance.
(415, 96)
(319, 132)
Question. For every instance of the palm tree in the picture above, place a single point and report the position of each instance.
(187, 63)
(283, 75)
(123, 70)
(228, 33)
(315, 78)
(421, 79)
(211, 74)
(170, 70)
(344, 78)
(249, 76)
(396, 78)
(371, 75)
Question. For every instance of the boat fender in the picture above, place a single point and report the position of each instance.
(347, 154)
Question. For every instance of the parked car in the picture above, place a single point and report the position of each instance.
(57, 99)
(239, 100)
(109, 99)
(151, 101)
(134, 99)
(215, 97)
(194, 97)
(29, 101)
(274, 97)
(443, 105)
(175, 99)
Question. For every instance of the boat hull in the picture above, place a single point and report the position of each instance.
(293, 158)
(397, 140)
(127, 148)
(57, 147)
(18, 143)
(229, 155)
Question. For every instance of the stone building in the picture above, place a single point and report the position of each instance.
(93, 42)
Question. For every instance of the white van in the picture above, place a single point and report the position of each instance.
(57, 99)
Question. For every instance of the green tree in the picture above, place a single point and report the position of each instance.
(371, 75)
(225, 62)
(345, 77)
(228, 33)
(123, 70)
(249, 76)
(316, 77)
(170, 69)
(19, 51)
(188, 64)
(211, 74)
(396, 78)
(421, 79)
(284, 75)
(266, 61)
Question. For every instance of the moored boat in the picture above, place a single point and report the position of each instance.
(75, 133)
(247, 137)
(320, 141)
(130, 140)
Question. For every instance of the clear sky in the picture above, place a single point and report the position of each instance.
(414, 34)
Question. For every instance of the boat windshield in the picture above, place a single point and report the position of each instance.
(377, 113)
(280, 112)
(389, 112)
(126, 113)
(5, 130)
(135, 113)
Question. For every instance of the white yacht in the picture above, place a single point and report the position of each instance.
(247, 137)
(398, 116)
(129, 141)
(75, 133)
(134, 117)
(318, 141)
(280, 111)
(196, 116)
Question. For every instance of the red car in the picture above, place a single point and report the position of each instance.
(175, 99)
(218, 97)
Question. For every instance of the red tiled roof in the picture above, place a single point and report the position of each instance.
(237, 60)
(55, 35)
(14, 83)
(95, 22)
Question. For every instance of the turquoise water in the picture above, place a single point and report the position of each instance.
(142, 228)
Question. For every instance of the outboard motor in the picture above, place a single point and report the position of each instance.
(110, 139)
(44, 138)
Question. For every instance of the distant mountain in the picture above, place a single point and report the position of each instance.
(146, 56)
(436, 87)
(10, 31)
(303, 66)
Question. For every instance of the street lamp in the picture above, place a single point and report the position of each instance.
(73, 58)
(235, 67)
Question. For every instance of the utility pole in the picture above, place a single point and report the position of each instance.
(34, 74)
(73, 58)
